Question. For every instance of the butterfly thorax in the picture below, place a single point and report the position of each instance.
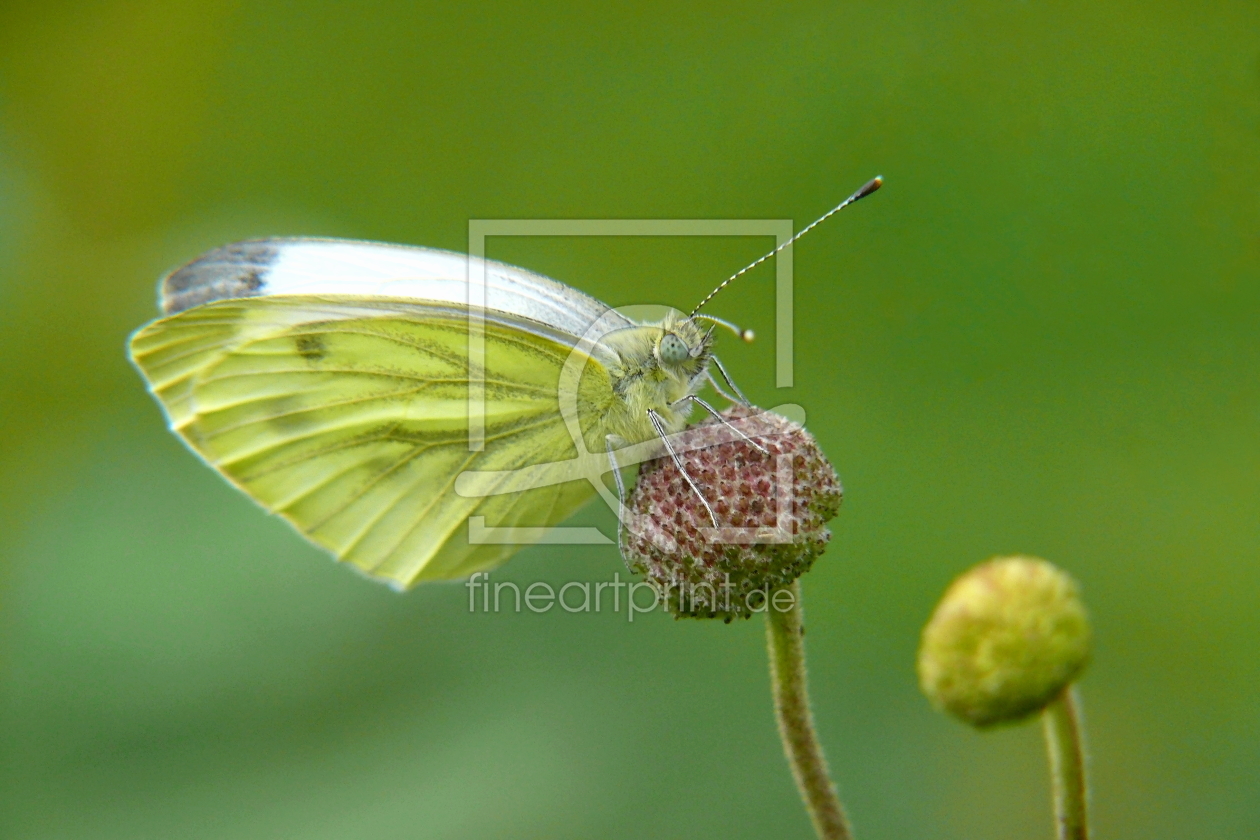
(658, 365)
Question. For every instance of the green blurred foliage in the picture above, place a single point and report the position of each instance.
(1040, 337)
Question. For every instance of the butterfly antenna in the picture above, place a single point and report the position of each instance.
(867, 188)
(745, 335)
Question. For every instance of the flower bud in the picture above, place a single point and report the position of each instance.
(1006, 638)
(772, 508)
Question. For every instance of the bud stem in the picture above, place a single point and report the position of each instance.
(1062, 723)
(784, 638)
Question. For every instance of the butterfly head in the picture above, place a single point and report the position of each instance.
(683, 345)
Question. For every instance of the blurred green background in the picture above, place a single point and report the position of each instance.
(1040, 337)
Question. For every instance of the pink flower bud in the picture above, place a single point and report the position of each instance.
(772, 509)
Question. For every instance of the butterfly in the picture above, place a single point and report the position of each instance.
(380, 397)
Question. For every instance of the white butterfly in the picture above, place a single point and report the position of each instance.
(330, 381)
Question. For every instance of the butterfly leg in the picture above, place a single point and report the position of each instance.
(727, 423)
(660, 430)
(739, 395)
(610, 442)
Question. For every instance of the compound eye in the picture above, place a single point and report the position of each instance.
(673, 350)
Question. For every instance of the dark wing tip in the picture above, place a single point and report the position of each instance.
(231, 271)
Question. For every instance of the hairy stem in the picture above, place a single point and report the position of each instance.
(784, 632)
(1064, 741)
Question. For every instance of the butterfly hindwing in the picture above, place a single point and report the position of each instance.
(349, 418)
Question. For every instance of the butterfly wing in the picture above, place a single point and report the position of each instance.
(348, 415)
(305, 266)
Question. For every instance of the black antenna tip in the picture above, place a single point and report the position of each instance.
(869, 187)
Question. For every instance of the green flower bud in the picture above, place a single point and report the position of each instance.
(768, 535)
(1006, 638)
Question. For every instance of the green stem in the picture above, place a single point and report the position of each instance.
(784, 632)
(1064, 741)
